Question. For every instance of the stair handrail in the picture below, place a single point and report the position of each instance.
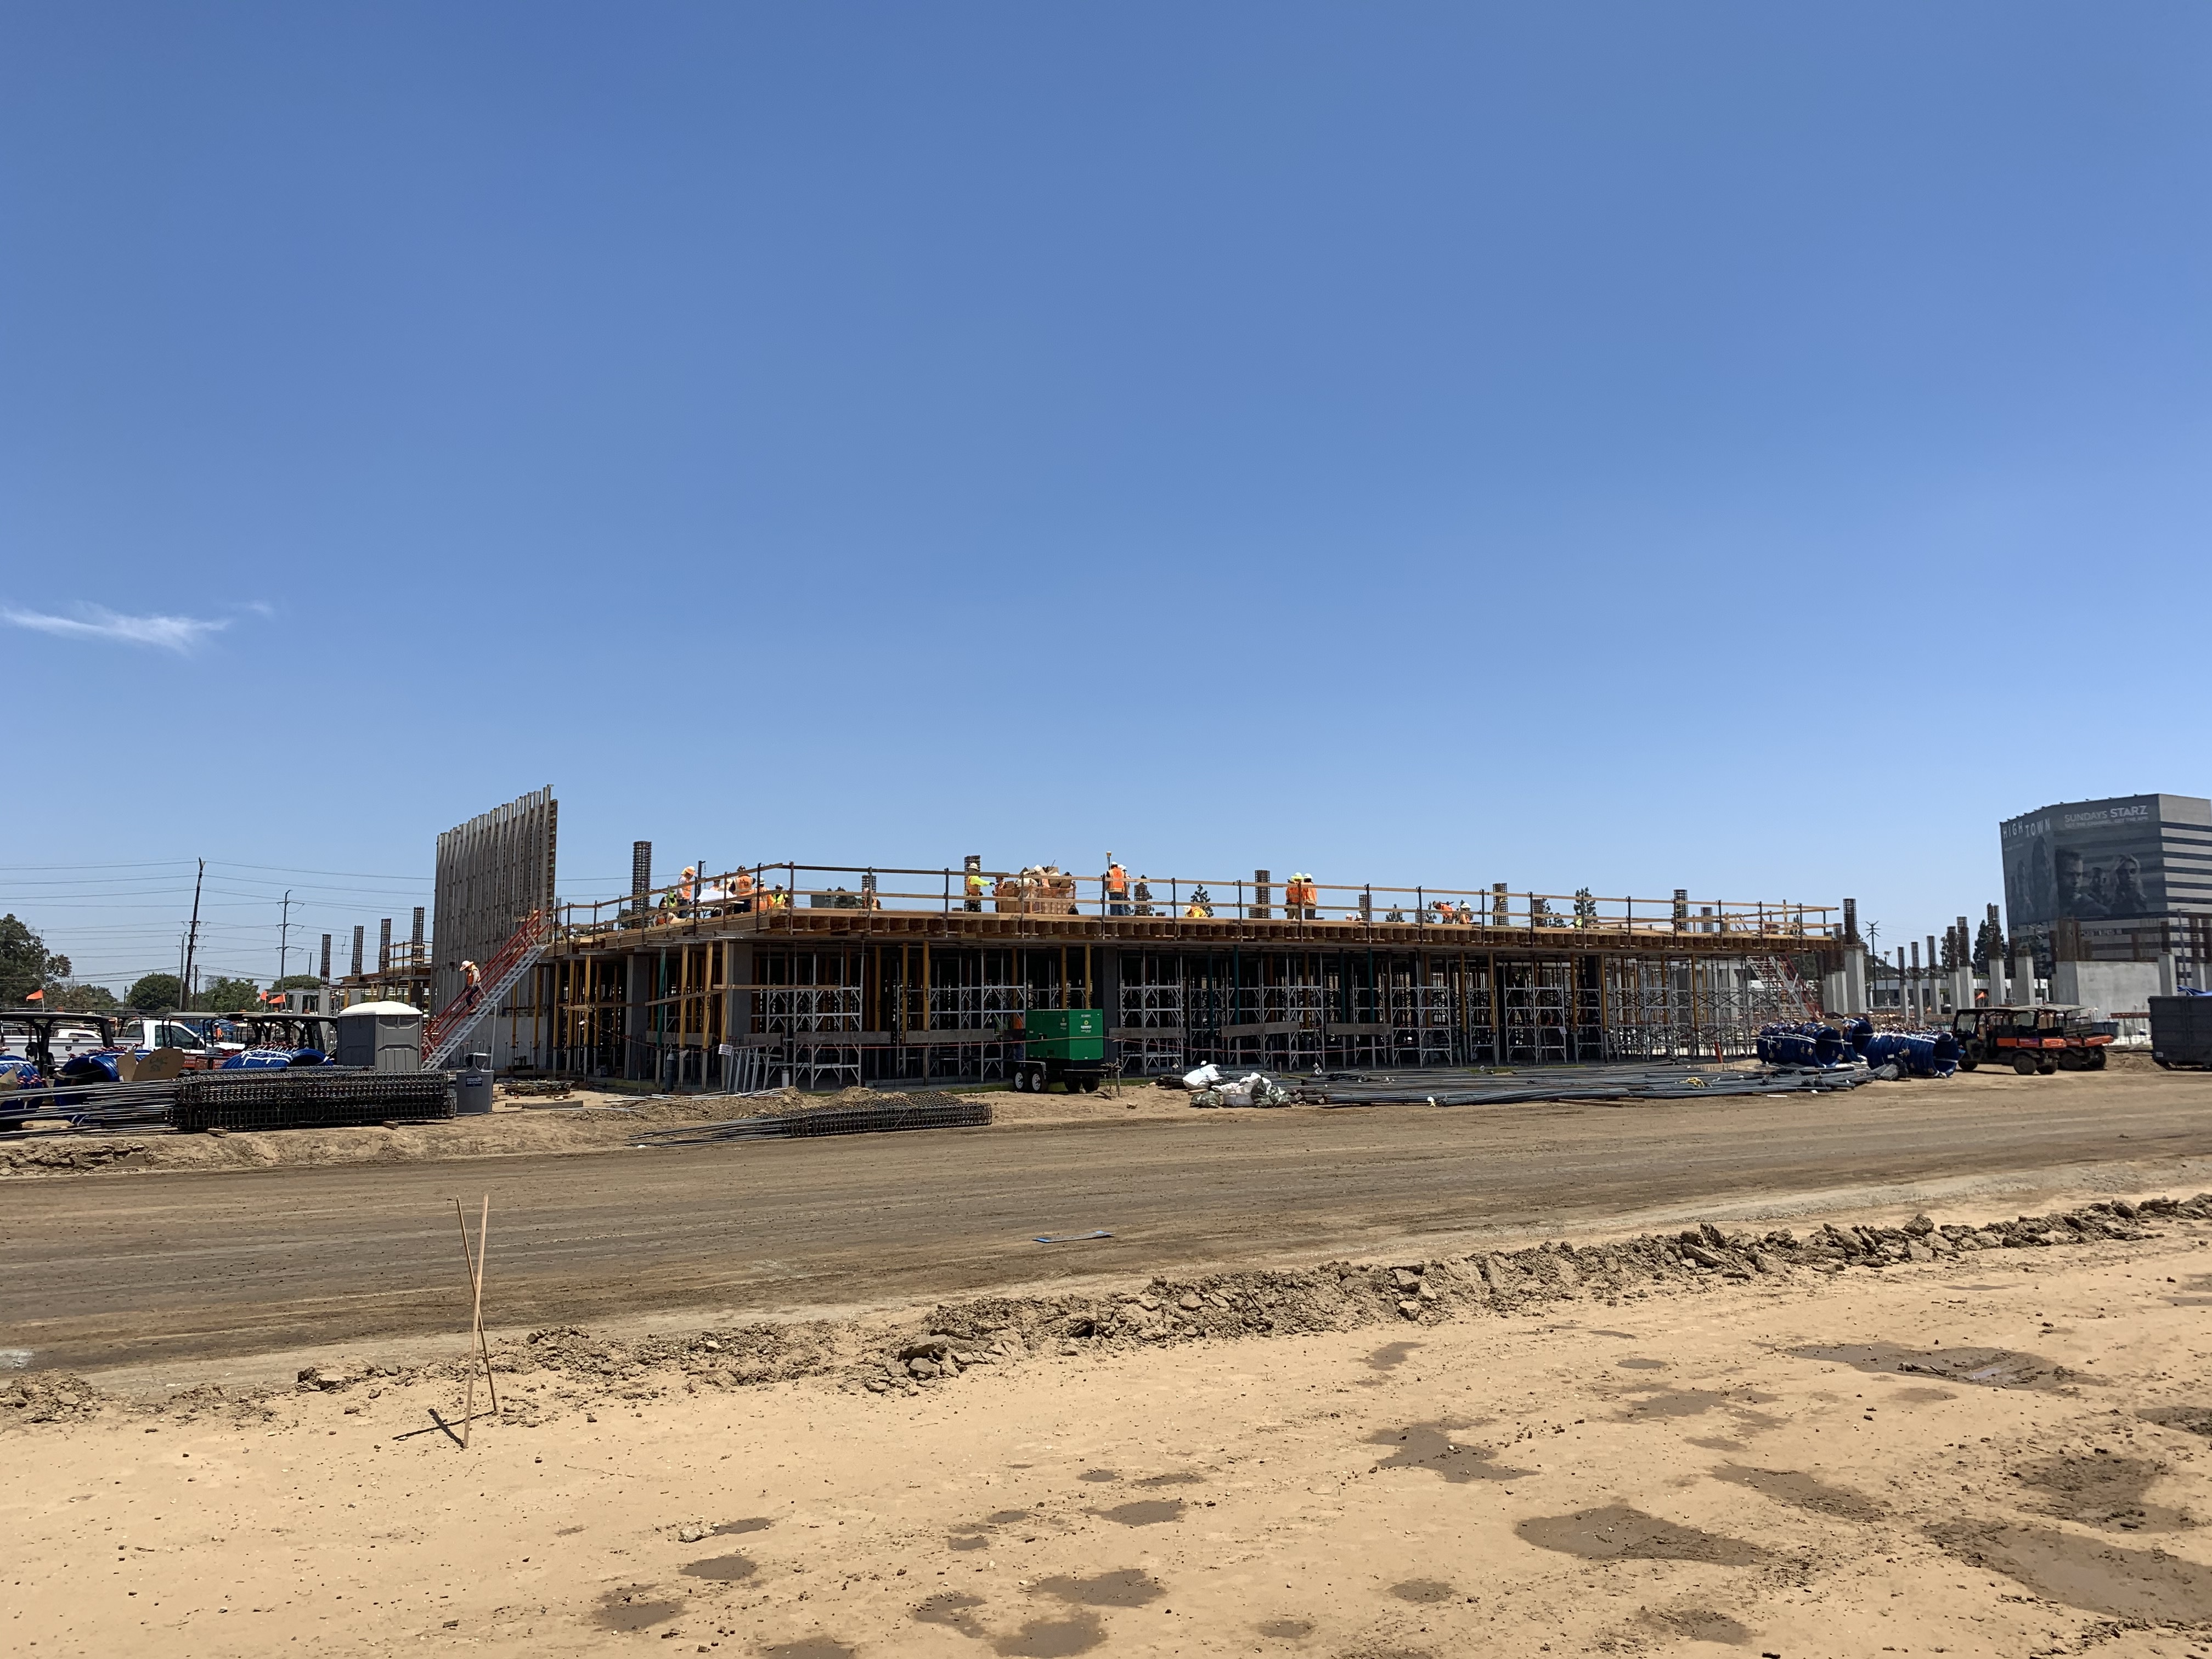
(441, 1034)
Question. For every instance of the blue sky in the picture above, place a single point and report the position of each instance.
(1714, 446)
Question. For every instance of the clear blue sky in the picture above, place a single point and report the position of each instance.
(1637, 446)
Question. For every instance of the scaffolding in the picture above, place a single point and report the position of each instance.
(824, 978)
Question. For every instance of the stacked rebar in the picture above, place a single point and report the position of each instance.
(919, 1111)
(1458, 1086)
(95, 1106)
(308, 1097)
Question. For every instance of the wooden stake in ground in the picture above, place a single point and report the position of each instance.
(475, 1258)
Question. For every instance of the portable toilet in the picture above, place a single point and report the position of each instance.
(381, 1036)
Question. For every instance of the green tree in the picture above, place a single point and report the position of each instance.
(298, 982)
(156, 994)
(26, 964)
(230, 996)
(79, 998)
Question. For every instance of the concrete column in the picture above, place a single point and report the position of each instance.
(1997, 982)
(2168, 979)
(1833, 992)
(637, 991)
(736, 1005)
(1962, 985)
(2023, 974)
(1855, 979)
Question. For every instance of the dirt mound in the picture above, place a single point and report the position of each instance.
(564, 1364)
(48, 1397)
(1343, 1295)
(44, 1155)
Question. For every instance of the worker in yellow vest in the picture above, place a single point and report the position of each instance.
(972, 882)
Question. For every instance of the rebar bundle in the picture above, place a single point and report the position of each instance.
(918, 1111)
(93, 1106)
(1457, 1086)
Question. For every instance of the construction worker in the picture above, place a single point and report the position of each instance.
(472, 983)
(741, 888)
(1117, 888)
(1200, 905)
(972, 882)
(1143, 895)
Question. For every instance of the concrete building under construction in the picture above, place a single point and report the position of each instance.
(825, 976)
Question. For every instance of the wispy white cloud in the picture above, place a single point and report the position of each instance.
(94, 621)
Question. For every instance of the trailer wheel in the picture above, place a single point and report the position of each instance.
(2046, 1066)
(2023, 1063)
(2094, 1060)
(1090, 1085)
(2071, 1059)
(1021, 1080)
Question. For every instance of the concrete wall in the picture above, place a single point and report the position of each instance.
(2105, 989)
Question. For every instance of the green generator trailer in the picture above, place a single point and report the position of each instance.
(1066, 1046)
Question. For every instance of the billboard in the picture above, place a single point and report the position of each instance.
(2093, 861)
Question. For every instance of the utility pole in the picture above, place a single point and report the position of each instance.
(192, 938)
(284, 935)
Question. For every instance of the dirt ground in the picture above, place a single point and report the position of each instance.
(1850, 1442)
(169, 1270)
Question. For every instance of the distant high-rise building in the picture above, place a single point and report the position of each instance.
(2113, 874)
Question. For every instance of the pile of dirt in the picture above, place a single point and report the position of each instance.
(59, 1155)
(1341, 1295)
(48, 1397)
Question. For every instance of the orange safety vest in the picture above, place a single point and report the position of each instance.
(743, 885)
(1117, 881)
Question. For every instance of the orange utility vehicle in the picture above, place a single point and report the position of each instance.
(2034, 1037)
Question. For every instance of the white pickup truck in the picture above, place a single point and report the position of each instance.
(151, 1032)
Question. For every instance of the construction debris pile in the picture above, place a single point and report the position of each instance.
(1209, 1087)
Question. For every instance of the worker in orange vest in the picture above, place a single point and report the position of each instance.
(1117, 888)
(741, 886)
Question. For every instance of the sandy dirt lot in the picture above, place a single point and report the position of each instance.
(1974, 1451)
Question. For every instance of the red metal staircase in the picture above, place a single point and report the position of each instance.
(450, 1027)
